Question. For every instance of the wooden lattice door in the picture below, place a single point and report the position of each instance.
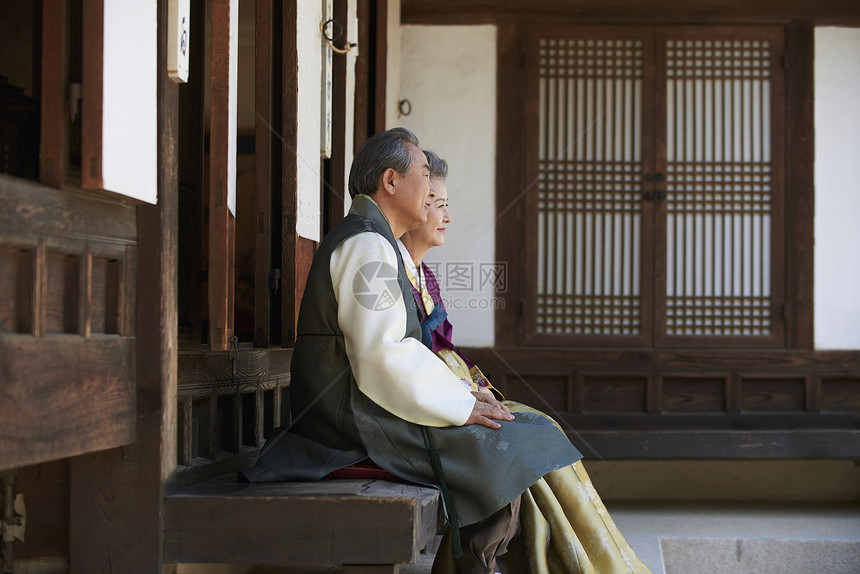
(653, 213)
(720, 148)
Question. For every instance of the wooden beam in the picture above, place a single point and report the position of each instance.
(827, 363)
(718, 444)
(221, 239)
(54, 115)
(203, 374)
(632, 11)
(31, 211)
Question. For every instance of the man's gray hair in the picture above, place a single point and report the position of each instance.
(438, 166)
(380, 152)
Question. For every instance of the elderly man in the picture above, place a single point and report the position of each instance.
(364, 386)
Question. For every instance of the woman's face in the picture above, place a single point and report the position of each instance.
(432, 233)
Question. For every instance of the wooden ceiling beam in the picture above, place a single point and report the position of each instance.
(823, 12)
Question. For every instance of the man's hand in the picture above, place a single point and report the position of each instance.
(487, 408)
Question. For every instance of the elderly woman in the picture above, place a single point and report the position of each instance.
(565, 526)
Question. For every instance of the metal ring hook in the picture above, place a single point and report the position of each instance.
(407, 104)
(325, 25)
(329, 40)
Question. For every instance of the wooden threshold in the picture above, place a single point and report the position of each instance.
(718, 444)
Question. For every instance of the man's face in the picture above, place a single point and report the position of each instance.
(412, 190)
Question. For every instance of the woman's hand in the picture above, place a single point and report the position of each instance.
(487, 408)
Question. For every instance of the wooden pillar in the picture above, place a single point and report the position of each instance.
(92, 94)
(800, 183)
(116, 522)
(263, 128)
(54, 130)
(509, 177)
(222, 175)
(380, 41)
(370, 69)
(296, 252)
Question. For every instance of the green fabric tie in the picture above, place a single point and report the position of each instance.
(447, 495)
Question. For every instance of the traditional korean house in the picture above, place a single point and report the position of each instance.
(654, 208)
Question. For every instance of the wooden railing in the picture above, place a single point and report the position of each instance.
(229, 403)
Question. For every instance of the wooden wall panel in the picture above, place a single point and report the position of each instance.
(642, 403)
(693, 394)
(619, 393)
(542, 392)
(840, 395)
(769, 394)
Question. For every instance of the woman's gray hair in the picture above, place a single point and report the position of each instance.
(438, 166)
(380, 152)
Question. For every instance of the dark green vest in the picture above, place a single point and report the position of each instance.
(334, 424)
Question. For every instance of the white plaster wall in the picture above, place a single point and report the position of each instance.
(309, 47)
(837, 188)
(448, 73)
(129, 139)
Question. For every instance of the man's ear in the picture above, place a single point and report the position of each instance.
(387, 180)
